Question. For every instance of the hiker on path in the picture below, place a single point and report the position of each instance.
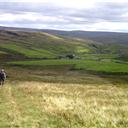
(2, 77)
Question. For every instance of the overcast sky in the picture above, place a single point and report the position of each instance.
(90, 15)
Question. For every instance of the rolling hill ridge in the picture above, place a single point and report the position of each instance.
(22, 44)
(98, 36)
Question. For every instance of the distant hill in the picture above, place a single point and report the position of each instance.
(24, 43)
(102, 37)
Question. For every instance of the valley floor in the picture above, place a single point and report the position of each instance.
(57, 105)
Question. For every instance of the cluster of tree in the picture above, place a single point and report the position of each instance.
(67, 56)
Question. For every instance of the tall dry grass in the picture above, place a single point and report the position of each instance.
(50, 105)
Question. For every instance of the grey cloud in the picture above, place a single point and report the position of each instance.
(111, 12)
(15, 7)
(102, 11)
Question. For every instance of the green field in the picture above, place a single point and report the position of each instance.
(31, 53)
(89, 65)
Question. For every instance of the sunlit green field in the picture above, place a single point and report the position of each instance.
(35, 53)
(57, 105)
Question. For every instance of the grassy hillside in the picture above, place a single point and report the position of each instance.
(55, 81)
(30, 48)
(49, 105)
(35, 45)
(17, 46)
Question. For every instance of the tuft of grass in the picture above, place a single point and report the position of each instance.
(50, 105)
(2, 52)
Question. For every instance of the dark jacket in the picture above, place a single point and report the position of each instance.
(2, 75)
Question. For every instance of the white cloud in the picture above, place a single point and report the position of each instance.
(109, 26)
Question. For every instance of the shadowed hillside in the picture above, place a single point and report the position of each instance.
(102, 37)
